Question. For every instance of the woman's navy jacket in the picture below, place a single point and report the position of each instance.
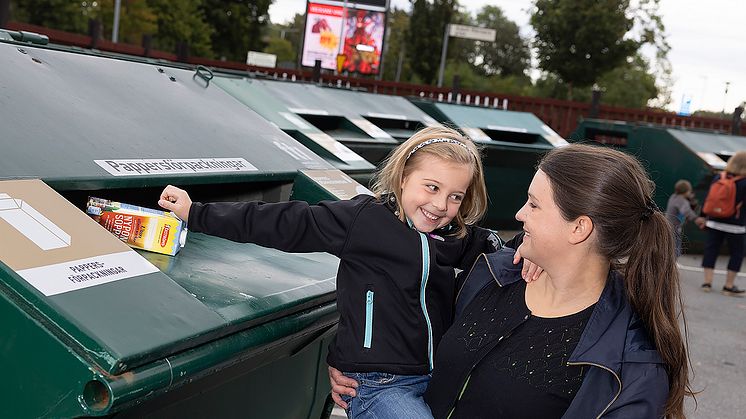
(628, 380)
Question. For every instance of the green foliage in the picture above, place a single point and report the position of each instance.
(238, 26)
(508, 55)
(650, 29)
(181, 21)
(135, 20)
(579, 40)
(396, 46)
(712, 114)
(471, 79)
(282, 48)
(64, 15)
(425, 35)
(291, 32)
(630, 86)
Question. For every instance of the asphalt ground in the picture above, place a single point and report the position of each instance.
(717, 344)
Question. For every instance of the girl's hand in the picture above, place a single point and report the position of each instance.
(530, 271)
(341, 384)
(177, 201)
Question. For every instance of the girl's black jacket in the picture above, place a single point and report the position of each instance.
(396, 286)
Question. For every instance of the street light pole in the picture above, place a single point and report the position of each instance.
(443, 55)
(115, 29)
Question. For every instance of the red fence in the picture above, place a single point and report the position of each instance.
(561, 115)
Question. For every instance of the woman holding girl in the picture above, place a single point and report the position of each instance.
(598, 334)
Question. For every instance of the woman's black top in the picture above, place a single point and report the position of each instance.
(525, 375)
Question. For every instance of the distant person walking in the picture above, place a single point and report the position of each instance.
(679, 210)
(726, 220)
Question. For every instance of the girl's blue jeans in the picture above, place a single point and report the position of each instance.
(387, 396)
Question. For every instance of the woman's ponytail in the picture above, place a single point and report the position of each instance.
(652, 282)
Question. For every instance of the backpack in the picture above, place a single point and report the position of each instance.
(721, 199)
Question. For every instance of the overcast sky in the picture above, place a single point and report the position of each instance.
(707, 38)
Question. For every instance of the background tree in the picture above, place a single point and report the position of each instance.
(181, 21)
(65, 15)
(290, 35)
(284, 51)
(237, 26)
(651, 31)
(396, 47)
(425, 36)
(136, 19)
(579, 40)
(508, 55)
(631, 85)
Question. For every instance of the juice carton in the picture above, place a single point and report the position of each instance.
(141, 228)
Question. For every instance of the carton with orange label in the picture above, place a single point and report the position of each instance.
(141, 228)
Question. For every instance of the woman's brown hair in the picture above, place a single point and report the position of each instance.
(614, 191)
(401, 162)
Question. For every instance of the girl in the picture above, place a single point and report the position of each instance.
(397, 249)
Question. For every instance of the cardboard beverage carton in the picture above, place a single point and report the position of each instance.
(141, 228)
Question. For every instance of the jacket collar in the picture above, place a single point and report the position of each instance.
(613, 335)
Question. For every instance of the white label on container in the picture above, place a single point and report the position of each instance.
(387, 116)
(370, 129)
(712, 159)
(430, 121)
(147, 167)
(337, 149)
(476, 134)
(307, 111)
(553, 137)
(507, 129)
(84, 273)
(295, 120)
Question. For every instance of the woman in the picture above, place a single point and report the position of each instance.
(593, 336)
(731, 229)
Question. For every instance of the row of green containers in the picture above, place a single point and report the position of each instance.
(669, 154)
(355, 131)
(221, 329)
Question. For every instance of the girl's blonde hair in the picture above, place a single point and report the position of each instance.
(737, 164)
(401, 162)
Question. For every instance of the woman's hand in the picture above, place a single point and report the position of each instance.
(341, 384)
(530, 271)
(177, 201)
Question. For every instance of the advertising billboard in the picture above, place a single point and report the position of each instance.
(321, 38)
(355, 32)
(363, 41)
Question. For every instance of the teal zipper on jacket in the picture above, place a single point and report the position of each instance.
(368, 319)
(423, 303)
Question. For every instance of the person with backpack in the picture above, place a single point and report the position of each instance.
(679, 210)
(726, 220)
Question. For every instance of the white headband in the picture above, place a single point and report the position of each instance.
(436, 140)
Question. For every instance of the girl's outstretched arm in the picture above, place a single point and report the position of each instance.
(176, 200)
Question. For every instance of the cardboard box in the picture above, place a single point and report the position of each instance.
(141, 228)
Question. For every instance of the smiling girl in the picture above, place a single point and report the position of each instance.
(398, 250)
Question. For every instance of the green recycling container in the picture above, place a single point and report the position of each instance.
(668, 154)
(512, 144)
(92, 328)
(258, 95)
(371, 125)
